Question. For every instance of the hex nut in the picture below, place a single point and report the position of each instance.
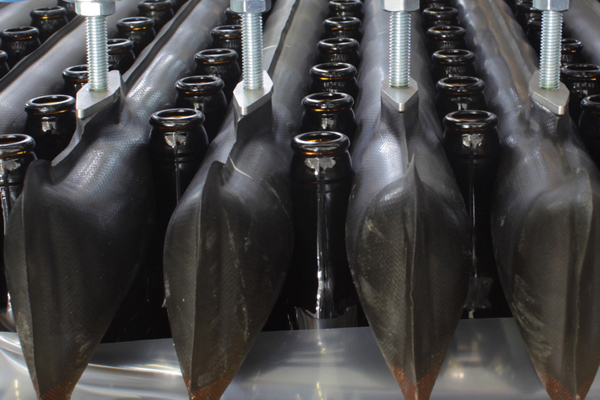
(95, 8)
(250, 6)
(401, 5)
(551, 5)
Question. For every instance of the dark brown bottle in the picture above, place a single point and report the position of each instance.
(4, 68)
(19, 42)
(526, 11)
(589, 126)
(458, 93)
(423, 4)
(222, 63)
(319, 291)
(228, 37)
(472, 145)
(70, 7)
(75, 78)
(48, 20)
(120, 54)
(534, 32)
(452, 62)
(159, 11)
(51, 122)
(443, 15)
(140, 30)
(329, 112)
(445, 37)
(343, 27)
(204, 93)
(346, 8)
(571, 51)
(582, 80)
(232, 18)
(342, 50)
(16, 152)
(334, 77)
(178, 143)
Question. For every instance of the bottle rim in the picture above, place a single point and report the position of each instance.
(155, 5)
(177, 118)
(333, 70)
(440, 12)
(571, 44)
(339, 45)
(50, 104)
(227, 31)
(446, 32)
(12, 144)
(320, 143)
(216, 56)
(328, 101)
(20, 33)
(591, 103)
(200, 84)
(453, 56)
(346, 5)
(135, 23)
(77, 72)
(580, 71)
(460, 85)
(342, 23)
(49, 12)
(470, 120)
(118, 45)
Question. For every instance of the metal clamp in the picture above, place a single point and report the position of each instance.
(89, 102)
(398, 97)
(554, 100)
(246, 101)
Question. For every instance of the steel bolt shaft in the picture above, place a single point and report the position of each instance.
(400, 26)
(97, 52)
(550, 50)
(252, 51)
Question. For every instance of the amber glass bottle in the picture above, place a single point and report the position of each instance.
(589, 126)
(75, 78)
(459, 93)
(342, 50)
(319, 292)
(120, 54)
(582, 80)
(204, 93)
(232, 18)
(329, 112)
(159, 11)
(441, 15)
(140, 30)
(48, 20)
(222, 63)
(442, 37)
(473, 149)
(346, 8)
(70, 7)
(228, 37)
(452, 62)
(343, 27)
(571, 50)
(51, 121)
(334, 77)
(19, 42)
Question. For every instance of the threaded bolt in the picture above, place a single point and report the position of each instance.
(400, 27)
(97, 52)
(550, 50)
(252, 51)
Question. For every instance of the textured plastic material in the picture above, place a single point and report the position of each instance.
(229, 242)
(77, 234)
(581, 22)
(545, 224)
(407, 225)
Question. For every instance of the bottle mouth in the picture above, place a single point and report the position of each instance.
(470, 120)
(535, 22)
(13, 144)
(49, 12)
(20, 33)
(79, 72)
(333, 70)
(155, 5)
(591, 103)
(232, 15)
(446, 32)
(571, 44)
(346, 5)
(50, 104)
(342, 23)
(320, 143)
(227, 31)
(135, 23)
(119, 44)
(328, 101)
(460, 85)
(200, 84)
(440, 12)
(177, 118)
(453, 56)
(216, 56)
(581, 71)
(339, 44)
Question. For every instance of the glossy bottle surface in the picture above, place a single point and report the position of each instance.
(159, 11)
(571, 51)
(327, 111)
(4, 68)
(343, 50)
(19, 42)
(204, 93)
(346, 8)
(228, 37)
(320, 292)
(140, 30)
(51, 122)
(222, 63)
(75, 78)
(452, 62)
(441, 15)
(334, 77)
(459, 93)
(48, 20)
(582, 80)
(70, 7)
(473, 149)
(343, 27)
(589, 126)
(442, 37)
(232, 18)
(120, 54)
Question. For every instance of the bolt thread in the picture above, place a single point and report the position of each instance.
(97, 52)
(399, 49)
(252, 47)
(550, 50)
